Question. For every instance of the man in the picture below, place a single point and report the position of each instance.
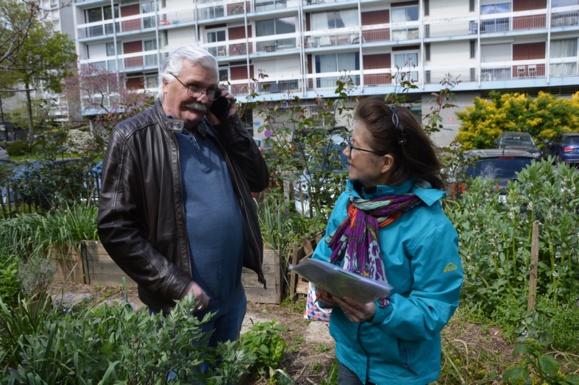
(175, 211)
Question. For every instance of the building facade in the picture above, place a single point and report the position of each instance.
(281, 48)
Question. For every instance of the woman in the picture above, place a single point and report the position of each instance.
(388, 224)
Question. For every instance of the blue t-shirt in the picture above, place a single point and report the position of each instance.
(214, 220)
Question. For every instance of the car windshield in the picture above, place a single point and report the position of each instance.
(519, 140)
(572, 140)
(498, 168)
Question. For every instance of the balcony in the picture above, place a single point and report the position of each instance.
(565, 19)
(332, 40)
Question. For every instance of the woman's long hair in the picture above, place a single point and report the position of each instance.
(396, 131)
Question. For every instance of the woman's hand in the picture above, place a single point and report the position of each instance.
(356, 311)
(325, 298)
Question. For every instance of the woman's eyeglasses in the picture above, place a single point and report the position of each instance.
(195, 91)
(352, 147)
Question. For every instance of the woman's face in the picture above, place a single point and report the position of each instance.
(367, 167)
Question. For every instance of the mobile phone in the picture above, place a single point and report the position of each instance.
(220, 107)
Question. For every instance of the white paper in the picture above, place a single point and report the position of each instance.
(339, 282)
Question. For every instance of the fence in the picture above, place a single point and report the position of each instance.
(43, 185)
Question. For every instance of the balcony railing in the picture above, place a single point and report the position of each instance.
(565, 19)
(281, 86)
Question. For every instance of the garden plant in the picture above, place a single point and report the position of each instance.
(113, 344)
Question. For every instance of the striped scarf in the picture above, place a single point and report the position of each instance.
(355, 241)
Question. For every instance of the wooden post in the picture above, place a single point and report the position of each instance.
(293, 275)
(534, 266)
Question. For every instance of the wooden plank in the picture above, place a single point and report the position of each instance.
(271, 269)
(69, 268)
(100, 268)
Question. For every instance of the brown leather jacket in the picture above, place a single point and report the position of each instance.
(141, 217)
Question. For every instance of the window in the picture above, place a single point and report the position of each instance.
(406, 63)
(94, 15)
(215, 36)
(110, 48)
(223, 74)
(212, 12)
(151, 81)
(147, 7)
(402, 14)
(495, 25)
(265, 5)
(334, 19)
(427, 51)
(562, 49)
(472, 44)
(150, 45)
(471, 5)
(275, 26)
(563, 3)
(343, 62)
(426, 8)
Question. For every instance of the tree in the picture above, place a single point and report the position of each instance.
(542, 117)
(45, 58)
(16, 20)
(106, 95)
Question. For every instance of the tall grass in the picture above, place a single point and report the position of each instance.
(35, 235)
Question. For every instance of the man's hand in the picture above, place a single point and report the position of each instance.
(222, 107)
(199, 294)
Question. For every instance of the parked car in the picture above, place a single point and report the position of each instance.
(4, 154)
(564, 147)
(317, 174)
(499, 165)
(263, 144)
(518, 141)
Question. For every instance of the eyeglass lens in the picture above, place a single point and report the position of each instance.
(195, 91)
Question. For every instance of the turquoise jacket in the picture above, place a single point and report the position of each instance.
(401, 344)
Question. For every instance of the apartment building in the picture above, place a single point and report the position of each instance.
(59, 14)
(287, 48)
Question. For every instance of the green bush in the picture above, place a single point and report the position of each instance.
(112, 345)
(9, 282)
(495, 244)
(20, 148)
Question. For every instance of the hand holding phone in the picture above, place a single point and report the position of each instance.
(220, 107)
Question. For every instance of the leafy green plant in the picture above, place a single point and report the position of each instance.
(264, 341)
(114, 344)
(496, 237)
(536, 364)
(9, 282)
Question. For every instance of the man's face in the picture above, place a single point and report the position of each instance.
(178, 103)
